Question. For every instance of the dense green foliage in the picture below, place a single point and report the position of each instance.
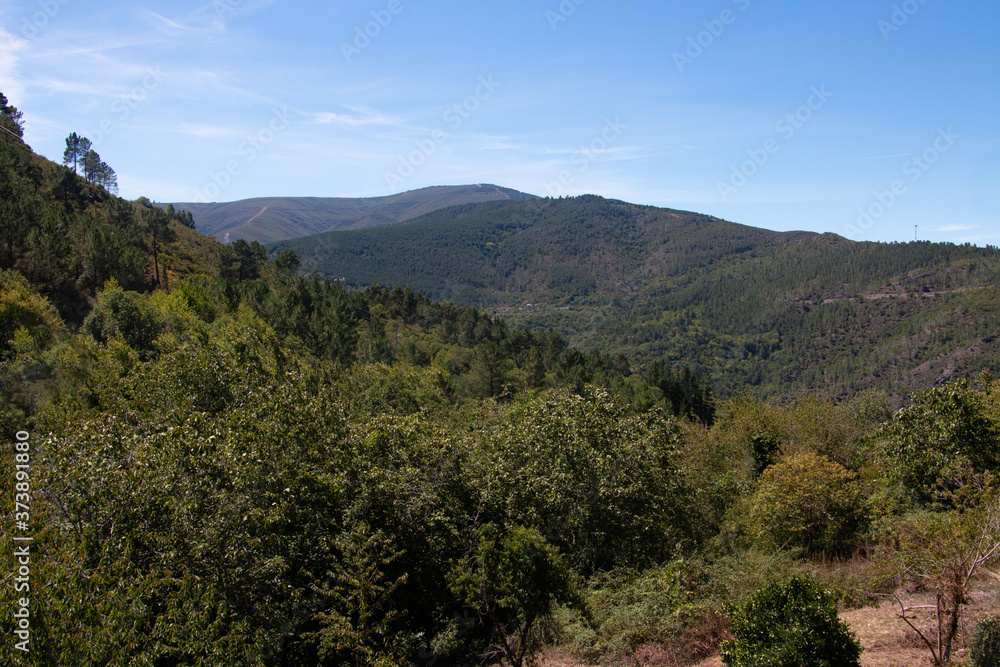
(782, 312)
(264, 487)
(791, 624)
(232, 464)
(805, 501)
(941, 442)
(69, 236)
(11, 120)
(238, 492)
(513, 577)
(985, 648)
(490, 252)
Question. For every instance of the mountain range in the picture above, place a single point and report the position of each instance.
(785, 312)
(269, 219)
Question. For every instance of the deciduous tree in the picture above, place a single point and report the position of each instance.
(946, 551)
(806, 501)
(513, 579)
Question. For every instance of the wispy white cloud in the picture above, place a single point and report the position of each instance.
(610, 153)
(206, 130)
(495, 143)
(884, 157)
(76, 48)
(194, 25)
(955, 228)
(221, 10)
(10, 83)
(362, 116)
(74, 87)
(207, 21)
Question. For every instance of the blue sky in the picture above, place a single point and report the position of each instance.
(861, 118)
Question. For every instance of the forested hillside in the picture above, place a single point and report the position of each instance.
(69, 240)
(258, 472)
(268, 219)
(68, 236)
(783, 312)
(214, 460)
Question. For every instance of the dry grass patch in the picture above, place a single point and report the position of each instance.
(887, 640)
(890, 641)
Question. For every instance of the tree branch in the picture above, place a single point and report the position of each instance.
(902, 615)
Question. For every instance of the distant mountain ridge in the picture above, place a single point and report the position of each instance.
(782, 311)
(270, 219)
(557, 252)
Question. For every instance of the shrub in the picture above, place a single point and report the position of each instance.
(985, 649)
(20, 308)
(806, 501)
(791, 624)
(126, 313)
(627, 610)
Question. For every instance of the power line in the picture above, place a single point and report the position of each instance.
(11, 134)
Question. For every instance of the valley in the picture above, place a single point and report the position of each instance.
(785, 313)
(580, 431)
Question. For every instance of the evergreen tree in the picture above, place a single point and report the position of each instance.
(250, 256)
(286, 259)
(77, 148)
(19, 184)
(11, 120)
(157, 224)
(68, 188)
(686, 393)
(91, 160)
(95, 170)
(107, 178)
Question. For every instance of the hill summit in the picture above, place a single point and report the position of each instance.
(270, 219)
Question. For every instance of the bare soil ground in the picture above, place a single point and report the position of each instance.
(886, 639)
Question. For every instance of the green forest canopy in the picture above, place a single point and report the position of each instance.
(233, 464)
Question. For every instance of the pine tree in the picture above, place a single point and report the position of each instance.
(156, 223)
(77, 148)
(107, 178)
(11, 120)
(96, 171)
(91, 160)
